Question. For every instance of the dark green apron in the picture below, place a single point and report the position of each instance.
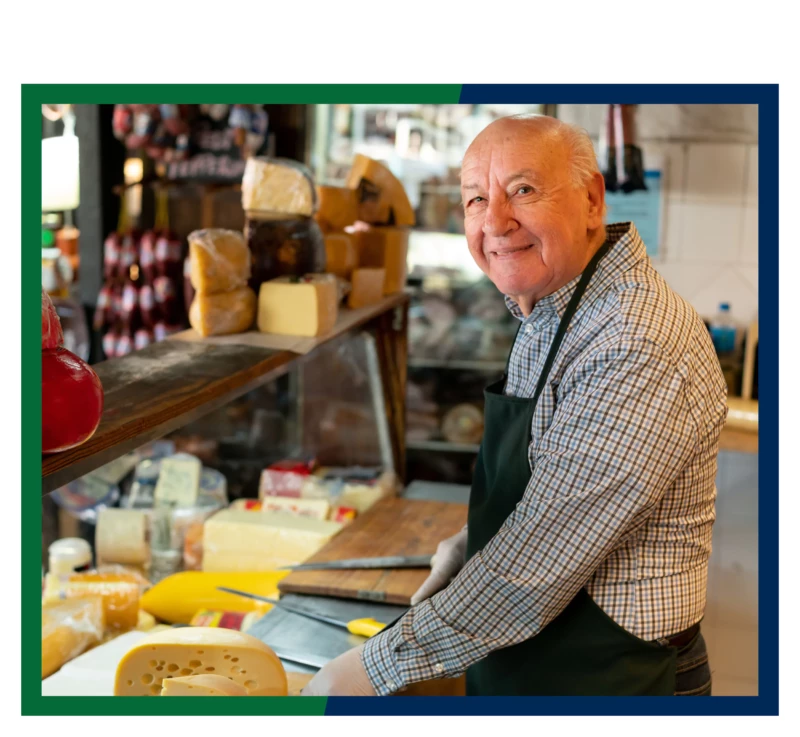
(582, 652)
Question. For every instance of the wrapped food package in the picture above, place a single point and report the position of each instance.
(118, 592)
(338, 208)
(219, 260)
(367, 287)
(284, 246)
(224, 313)
(69, 628)
(306, 306)
(278, 186)
(382, 198)
(386, 248)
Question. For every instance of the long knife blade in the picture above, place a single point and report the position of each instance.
(286, 607)
(392, 561)
(313, 661)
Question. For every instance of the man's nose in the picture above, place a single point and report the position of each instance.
(499, 220)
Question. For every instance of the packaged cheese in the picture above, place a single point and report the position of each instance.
(338, 207)
(367, 287)
(248, 541)
(219, 260)
(386, 248)
(241, 621)
(119, 593)
(121, 537)
(307, 306)
(278, 186)
(224, 313)
(382, 198)
(69, 628)
(341, 254)
(188, 651)
(202, 685)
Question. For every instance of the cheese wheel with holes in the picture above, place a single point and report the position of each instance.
(367, 287)
(206, 685)
(191, 651)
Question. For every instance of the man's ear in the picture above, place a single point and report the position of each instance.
(596, 196)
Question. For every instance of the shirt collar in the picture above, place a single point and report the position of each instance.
(627, 249)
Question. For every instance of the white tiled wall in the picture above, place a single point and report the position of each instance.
(709, 156)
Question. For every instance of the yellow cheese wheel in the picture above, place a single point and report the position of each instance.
(386, 248)
(306, 307)
(367, 287)
(341, 254)
(219, 260)
(383, 199)
(224, 313)
(204, 685)
(338, 207)
(278, 186)
(189, 651)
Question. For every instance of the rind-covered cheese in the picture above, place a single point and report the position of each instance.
(203, 685)
(386, 248)
(305, 307)
(278, 186)
(367, 287)
(68, 629)
(234, 540)
(188, 651)
(121, 537)
(341, 254)
(119, 593)
(224, 313)
(338, 207)
(219, 260)
(382, 197)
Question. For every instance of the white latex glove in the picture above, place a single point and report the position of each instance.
(342, 676)
(451, 555)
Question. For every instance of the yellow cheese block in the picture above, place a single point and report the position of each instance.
(367, 287)
(262, 541)
(204, 685)
(386, 248)
(177, 598)
(306, 307)
(382, 198)
(338, 207)
(69, 628)
(188, 651)
(224, 313)
(278, 186)
(219, 260)
(341, 254)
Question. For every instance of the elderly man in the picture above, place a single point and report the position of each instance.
(583, 567)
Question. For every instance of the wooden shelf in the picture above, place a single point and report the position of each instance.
(163, 387)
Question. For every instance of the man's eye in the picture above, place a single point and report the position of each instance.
(477, 199)
(524, 189)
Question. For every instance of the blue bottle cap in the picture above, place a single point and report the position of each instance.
(724, 306)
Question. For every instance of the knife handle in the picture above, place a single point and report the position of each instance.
(365, 627)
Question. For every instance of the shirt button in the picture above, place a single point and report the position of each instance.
(529, 328)
(439, 668)
(391, 685)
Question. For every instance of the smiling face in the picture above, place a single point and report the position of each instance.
(528, 227)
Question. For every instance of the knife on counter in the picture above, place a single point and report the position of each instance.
(391, 561)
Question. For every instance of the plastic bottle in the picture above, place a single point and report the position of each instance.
(723, 331)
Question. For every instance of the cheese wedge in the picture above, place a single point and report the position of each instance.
(206, 685)
(382, 197)
(338, 207)
(307, 306)
(386, 248)
(278, 186)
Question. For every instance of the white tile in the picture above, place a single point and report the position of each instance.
(750, 274)
(687, 279)
(748, 249)
(674, 221)
(671, 159)
(716, 171)
(589, 117)
(751, 181)
(725, 285)
(730, 123)
(712, 232)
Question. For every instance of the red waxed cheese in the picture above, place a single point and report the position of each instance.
(72, 401)
(52, 334)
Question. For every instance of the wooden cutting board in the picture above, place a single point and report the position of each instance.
(392, 526)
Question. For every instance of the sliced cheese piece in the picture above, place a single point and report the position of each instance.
(386, 248)
(382, 197)
(313, 508)
(121, 537)
(69, 628)
(367, 287)
(341, 254)
(306, 307)
(188, 651)
(223, 314)
(219, 260)
(338, 207)
(278, 186)
(261, 541)
(204, 685)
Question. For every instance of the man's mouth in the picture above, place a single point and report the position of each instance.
(510, 252)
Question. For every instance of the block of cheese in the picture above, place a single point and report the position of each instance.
(338, 207)
(306, 306)
(202, 685)
(261, 541)
(189, 651)
(219, 260)
(382, 197)
(360, 497)
(278, 186)
(386, 248)
(119, 593)
(341, 254)
(69, 628)
(313, 508)
(121, 537)
(367, 287)
(224, 313)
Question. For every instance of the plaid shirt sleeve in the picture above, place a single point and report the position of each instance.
(621, 432)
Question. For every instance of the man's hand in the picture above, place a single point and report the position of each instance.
(342, 676)
(451, 555)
